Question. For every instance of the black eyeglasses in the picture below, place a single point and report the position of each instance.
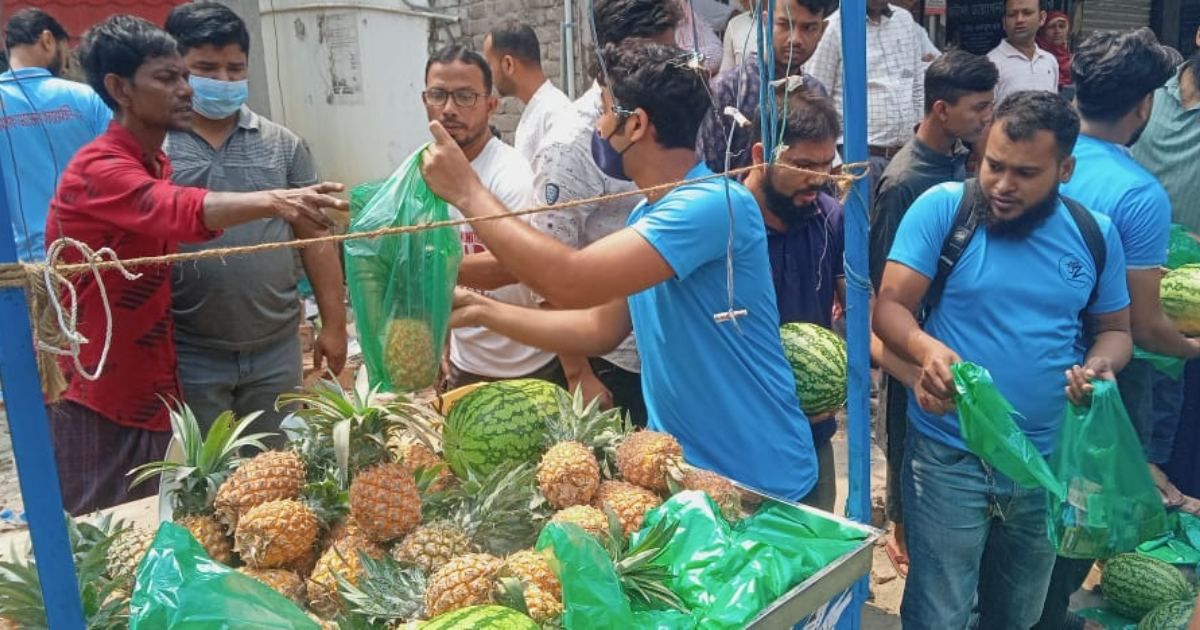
(462, 98)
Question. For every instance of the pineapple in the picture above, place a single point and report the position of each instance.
(419, 457)
(433, 545)
(126, 552)
(385, 503)
(284, 582)
(464, 581)
(569, 472)
(409, 355)
(270, 476)
(533, 570)
(721, 490)
(211, 535)
(208, 462)
(341, 562)
(340, 529)
(588, 518)
(542, 606)
(629, 502)
(275, 533)
(304, 563)
(647, 457)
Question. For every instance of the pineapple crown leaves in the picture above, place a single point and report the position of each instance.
(501, 511)
(352, 428)
(386, 591)
(328, 500)
(600, 429)
(208, 459)
(640, 577)
(510, 593)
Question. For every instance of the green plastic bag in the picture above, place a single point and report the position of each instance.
(1171, 366)
(402, 285)
(1111, 505)
(179, 587)
(726, 575)
(362, 194)
(1183, 248)
(985, 419)
(1179, 546)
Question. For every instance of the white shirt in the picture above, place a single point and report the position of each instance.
(535, 120)
(565, 171)
(1018, 72)
(741, 40)
(478, 350)
(895, 74)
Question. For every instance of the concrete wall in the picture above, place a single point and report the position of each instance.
(477, 17)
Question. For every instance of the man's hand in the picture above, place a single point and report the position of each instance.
(592, 388)
(468, 308)
(1079, 379)
(446, 169)
(331, 347)
(306, 206)
(936, 380)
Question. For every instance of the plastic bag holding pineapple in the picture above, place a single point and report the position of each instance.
(402, 285)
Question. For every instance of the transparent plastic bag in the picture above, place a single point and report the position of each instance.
(402, 285)
(1111, 505)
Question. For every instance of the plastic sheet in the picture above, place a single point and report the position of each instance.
(986, 422)
(1183, 248)
(1179, 546)
(178, 586)
(1111, 505)
(402, 285)
(726, 575)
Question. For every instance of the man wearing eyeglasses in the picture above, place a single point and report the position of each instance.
(458, 94)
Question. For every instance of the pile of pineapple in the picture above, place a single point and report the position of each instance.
(360, 521)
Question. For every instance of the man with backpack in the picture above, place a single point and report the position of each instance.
(1115, 77)
(1008, 274)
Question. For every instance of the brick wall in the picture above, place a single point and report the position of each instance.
(477, 17)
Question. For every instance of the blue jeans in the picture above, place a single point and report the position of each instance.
(215, 381)
(1153, 401)
(977, 542)
(1168, 408)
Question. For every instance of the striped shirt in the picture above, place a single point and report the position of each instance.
(1170, 149)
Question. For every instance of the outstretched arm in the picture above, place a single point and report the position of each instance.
(588, 332)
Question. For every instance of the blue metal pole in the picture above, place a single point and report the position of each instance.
(854, 82)
(33, 449)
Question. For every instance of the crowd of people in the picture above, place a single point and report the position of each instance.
(666, 305)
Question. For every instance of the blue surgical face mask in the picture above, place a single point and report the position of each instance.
(217, 100)
(607, 158)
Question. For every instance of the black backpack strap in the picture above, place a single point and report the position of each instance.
(1093, 238)
(966, 220)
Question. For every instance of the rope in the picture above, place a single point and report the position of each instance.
(56, 325)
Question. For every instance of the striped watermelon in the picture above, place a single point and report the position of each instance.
(1134, 584)
(1181, 298)
(818, 359)
(489, 617)
(498, 424)
(1168, 616)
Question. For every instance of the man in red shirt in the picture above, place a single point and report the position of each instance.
(117, 193)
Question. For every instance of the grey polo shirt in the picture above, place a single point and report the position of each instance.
(240, 303)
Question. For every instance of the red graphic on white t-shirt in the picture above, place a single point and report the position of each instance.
(472, 244)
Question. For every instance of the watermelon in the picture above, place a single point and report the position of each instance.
(1168, 616)
(1180, 291)
(818, 359)
(499, 424)
(1134, 584)
(489, 617)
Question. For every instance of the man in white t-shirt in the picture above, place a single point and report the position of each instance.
(741, 37)
(458, 93)
(515, 56)
(1022, 64)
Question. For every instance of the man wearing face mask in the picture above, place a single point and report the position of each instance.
(236, 320)
(804, 237)
(714, 373)
(44, 118)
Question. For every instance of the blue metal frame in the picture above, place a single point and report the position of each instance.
(854, 82)
(33, 449)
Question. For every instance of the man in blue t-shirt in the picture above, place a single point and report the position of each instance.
(713, 368)
(804, 236)
(44, 119)
(1015, 303)
(1115, 77)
